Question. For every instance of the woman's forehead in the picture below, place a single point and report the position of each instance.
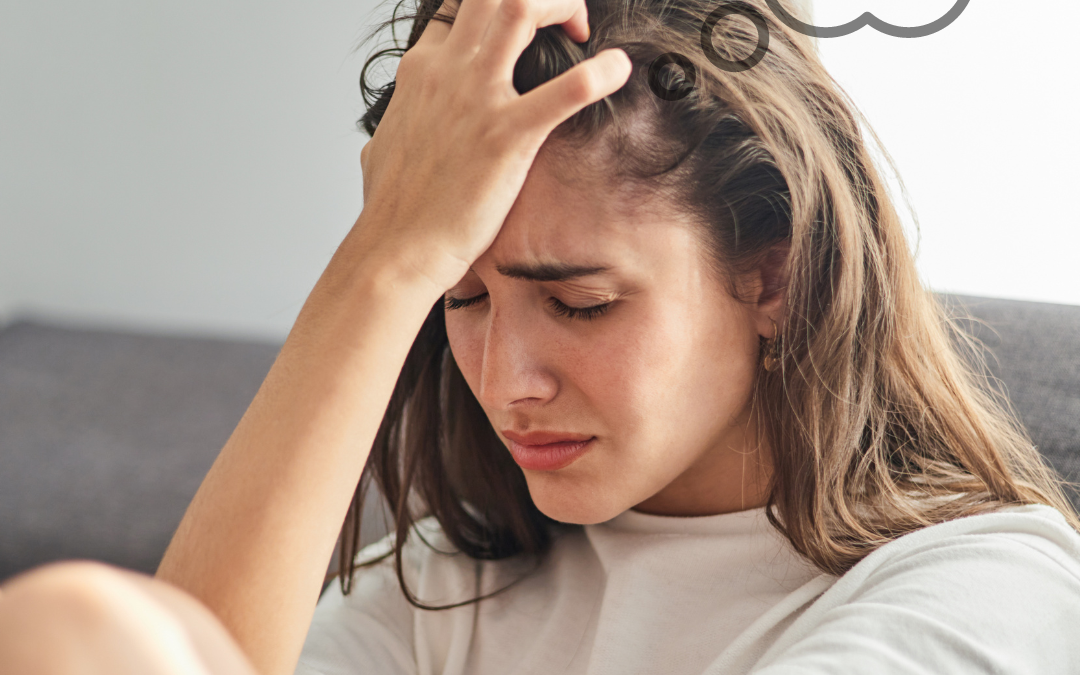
(592, 174)
(587, 221)
(562, 242)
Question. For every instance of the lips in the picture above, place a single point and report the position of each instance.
(544, 437)
(547, 450)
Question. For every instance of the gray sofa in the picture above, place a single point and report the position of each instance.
(105, 436)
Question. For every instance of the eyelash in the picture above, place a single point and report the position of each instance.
(560, 309)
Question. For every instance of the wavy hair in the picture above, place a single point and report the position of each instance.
(882, 417)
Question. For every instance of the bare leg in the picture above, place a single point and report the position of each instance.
(89, 618)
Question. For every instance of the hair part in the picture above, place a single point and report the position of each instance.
(882, 418)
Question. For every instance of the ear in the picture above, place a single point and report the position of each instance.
(769, 298)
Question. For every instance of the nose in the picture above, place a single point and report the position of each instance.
(514, 372)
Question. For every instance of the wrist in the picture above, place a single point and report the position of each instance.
(377, 262)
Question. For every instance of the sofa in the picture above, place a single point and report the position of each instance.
(105, 435)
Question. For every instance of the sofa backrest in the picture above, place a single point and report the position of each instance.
(1034, 350)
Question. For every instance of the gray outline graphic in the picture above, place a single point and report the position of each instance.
(683, 89)
(729, 7)
(868, 18)
(722, 11)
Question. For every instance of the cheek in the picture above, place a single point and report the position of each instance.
(678, 372)
(466, 340)
(717, 366)
(623, 368)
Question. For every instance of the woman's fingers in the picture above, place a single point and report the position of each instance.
(498, 31)
(436, 31)
(511, 25)
(472, 21)
(548, 105)
(578, 25)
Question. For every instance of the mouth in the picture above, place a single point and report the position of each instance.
(541, 451)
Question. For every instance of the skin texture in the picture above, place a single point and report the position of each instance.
(89, 618)
(662, 379)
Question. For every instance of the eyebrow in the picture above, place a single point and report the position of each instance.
(550, 271)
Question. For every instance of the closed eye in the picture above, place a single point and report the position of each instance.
(585, 313)
(460, 303)
(560, 308)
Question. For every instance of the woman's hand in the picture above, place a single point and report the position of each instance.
(456, 142)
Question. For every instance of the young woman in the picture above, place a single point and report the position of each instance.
(640, 361)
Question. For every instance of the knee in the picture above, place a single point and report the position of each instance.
(80, 611)
(68, 575)
(78, 590)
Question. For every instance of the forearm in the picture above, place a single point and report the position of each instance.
(254, 544)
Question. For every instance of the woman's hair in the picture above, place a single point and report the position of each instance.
(882, 417)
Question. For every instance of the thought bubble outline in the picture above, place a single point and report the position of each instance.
(868, 18)
(684, 88)
(739, 7)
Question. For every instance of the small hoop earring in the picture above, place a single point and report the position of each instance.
(771, 362)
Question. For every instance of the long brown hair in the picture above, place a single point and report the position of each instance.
(881, 418)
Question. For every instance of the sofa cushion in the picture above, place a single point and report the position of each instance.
(107, 435)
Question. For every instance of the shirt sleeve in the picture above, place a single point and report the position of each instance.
(969, 603)
(368, 631)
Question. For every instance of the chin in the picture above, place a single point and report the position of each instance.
(561, 498)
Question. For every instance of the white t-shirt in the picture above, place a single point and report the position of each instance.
(718, 595)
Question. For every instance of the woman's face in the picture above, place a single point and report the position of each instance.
(650, 391)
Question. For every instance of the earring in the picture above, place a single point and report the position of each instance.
(772, 350)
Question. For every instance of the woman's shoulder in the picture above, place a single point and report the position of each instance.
(1016, 544)
(1000, 588)
(1029, 532)
(426, 542)
(426, 553)
(374, 623)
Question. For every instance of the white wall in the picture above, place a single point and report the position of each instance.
(176, 165)
(981, 120)
(192, 166)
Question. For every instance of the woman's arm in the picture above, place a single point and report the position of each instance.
(440, 175)
(255, 541)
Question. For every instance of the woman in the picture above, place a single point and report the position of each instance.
(648, 380)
